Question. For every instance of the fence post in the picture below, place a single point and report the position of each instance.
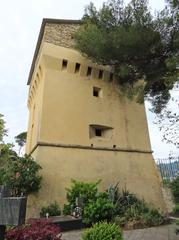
(2, 232)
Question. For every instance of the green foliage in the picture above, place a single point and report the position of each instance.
(52, 209)
(129, 208)
(167, 121)
(152, 218)
(84, 191)
(66, 209)
(95, 206)
(177, 229)
(98, 210)
(175, 189)
(103, 231)
(135, 43)
(21, 175)
(6, 154)
(125, 201)
(120, 206)
(21, 139)
(176, 209)
(3, 131)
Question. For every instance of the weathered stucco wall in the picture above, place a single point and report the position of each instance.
(69, 107)
(134, 171)
(65, 108)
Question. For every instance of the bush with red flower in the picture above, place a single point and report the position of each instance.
(41, 229)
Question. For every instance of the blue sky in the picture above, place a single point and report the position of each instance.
(20, 23)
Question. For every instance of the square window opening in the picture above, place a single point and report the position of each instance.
(98, 132)
(97, 92)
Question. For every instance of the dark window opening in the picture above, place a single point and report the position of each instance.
(111, 77)
(100, 76)
(97, 92)
(89, 70)
(64, 64)
(98, 132)
(77, 67)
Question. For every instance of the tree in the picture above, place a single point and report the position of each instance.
(168, 121)
(6, 154)
(136, 44)
(22, 176)
(3, 131)
(21, 140)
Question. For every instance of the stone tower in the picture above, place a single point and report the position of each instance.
(80, 126)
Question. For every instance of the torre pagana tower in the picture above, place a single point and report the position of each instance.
(80, 126)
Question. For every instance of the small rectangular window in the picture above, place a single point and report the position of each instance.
(98, 132)
(77, 67)
(97, 92)
(64, 64)
(100, 76)
(111, 77)
(89, 71)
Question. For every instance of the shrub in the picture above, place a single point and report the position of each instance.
(103, 231)
(40, 229)
(21, 176)
(152, 218)
(177, 229)
(129, 208)
(176, 209)
(53, 210)
(66, 209)
(175, 189)
(120, 221)
(98, 210)
(125, 200)
(85, 192)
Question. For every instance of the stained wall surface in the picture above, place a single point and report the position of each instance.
(62, 135)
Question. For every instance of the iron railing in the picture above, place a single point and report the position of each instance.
(168, 167)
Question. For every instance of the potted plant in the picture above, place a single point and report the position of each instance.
(19, 179)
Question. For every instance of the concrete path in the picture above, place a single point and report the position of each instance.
(166, 232)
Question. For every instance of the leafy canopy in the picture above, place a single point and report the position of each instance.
(135, 43)
(21, 139)
(3, 131)
(22, 176)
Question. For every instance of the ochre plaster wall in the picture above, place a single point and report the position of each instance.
(69, 107)
(65, 109)
(134, 171)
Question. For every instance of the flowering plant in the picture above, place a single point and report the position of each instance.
(40, 229)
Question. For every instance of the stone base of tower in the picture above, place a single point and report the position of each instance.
(135, 171)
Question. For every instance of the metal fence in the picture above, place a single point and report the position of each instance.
(168, 167)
